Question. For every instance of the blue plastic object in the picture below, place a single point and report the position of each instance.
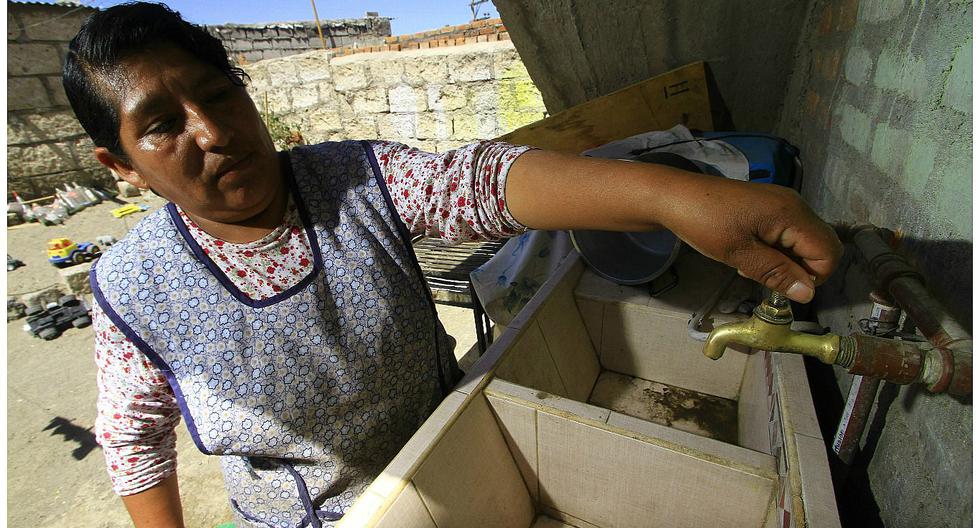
(771, 158)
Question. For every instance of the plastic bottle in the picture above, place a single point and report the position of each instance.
(88, 194)
(75, 201)
(57, 213)
(63, 198)
(39, 212)
(21, 208)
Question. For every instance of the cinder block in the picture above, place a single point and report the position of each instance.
(57, 91)
(958, 92)
(471, 67)
(41, 127)
(391, 126)
(304, 96)
(407, 99)
(919, 164)
(855, 127)
(52, 23)
(32, 59)
(482, 97)
(445, 97)
(847, 15)
(75, 278)
(350, 77)
(876, 11)
(40, 159)
(14, 29)
(857, 66)
(370, 101)
(889, 148)
(435, 125)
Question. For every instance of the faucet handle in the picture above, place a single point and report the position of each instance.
(775, 309)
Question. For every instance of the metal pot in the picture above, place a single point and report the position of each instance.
(633, 258)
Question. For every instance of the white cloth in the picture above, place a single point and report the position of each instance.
(506, 282)
(714, 154)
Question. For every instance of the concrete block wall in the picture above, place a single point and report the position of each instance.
(45, 144)
(434, 99)
(880, 104)
(247, 43)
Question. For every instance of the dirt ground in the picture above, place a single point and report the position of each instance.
(55, 471)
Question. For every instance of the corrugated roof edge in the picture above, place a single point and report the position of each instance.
(59, 4)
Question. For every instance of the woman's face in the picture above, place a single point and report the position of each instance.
(192, 135)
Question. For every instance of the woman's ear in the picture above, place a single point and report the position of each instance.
(120, 167)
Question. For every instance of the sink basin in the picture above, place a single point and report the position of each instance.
(595, 409)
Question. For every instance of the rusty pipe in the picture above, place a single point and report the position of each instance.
(950, 365)
(853, 421)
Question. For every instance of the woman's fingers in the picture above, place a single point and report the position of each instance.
(774, 270)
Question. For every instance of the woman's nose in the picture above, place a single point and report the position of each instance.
(210, 132)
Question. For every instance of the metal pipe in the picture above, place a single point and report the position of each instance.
(864, 389)
(948, 367)
(896, 276)
(854, 419)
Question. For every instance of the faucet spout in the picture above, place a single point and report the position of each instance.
(769, 329)
(761, 334)
(942, 369)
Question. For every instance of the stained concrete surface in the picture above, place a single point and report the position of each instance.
(577, 51)
(56, 474)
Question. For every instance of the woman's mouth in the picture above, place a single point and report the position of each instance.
(235, 167)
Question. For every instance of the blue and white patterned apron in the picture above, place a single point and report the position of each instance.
(306, 395)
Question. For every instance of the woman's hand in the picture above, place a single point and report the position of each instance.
(764, 231)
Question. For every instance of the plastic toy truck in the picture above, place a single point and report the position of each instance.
(48, 323)
(63, 252)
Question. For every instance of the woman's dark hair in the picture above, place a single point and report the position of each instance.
(106, 38)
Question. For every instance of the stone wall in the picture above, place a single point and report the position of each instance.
(248, 43)
(434, 99)
(45, 144)
(880, 104)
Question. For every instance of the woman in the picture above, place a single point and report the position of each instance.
(275, 301)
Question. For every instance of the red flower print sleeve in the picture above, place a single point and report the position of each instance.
(137, 412)
(457, 195)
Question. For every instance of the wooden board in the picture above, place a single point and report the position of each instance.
(388, 487)
(470, 478)
(407, 511)
(518, 424)
(609, 479)
(676, 407)
(569, 344)
(643, 342)
(676, 97)
(530, 364)
(753, 406)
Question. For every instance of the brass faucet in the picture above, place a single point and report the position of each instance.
(769, 329)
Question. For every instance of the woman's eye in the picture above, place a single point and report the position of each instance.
(162, 127)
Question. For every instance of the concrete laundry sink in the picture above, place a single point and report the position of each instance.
(595, 409)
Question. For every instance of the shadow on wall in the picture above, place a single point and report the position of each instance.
(946, 265)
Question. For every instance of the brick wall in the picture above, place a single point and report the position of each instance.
(880, 104)
(435, 99)
(476, 32)
(45, 144)
(255, 42)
